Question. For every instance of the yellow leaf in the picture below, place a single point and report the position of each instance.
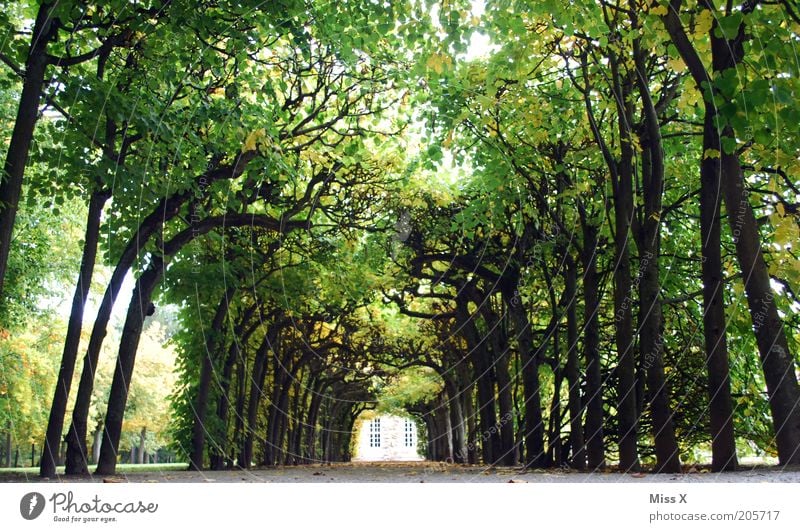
(780, 208)
(434, 62)
(703, 22)
(711, 154)
(659, 11)
(773, 185)
(253, 139)
(677, 64)
(786, 230)
(438, 61)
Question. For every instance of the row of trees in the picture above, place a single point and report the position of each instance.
(591, 240)
(279, 172)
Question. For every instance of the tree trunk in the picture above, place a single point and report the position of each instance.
(142, 436)
(484, 382)
(651, 339)
(7, 457)
(239, 337)
(241, 390)
(506, 420)
(573, 371)
(554, 448)
(534, 426)
(22, 135)
(456, 420)
(311, 422)
(593, 428)
(203, 388)
(55, 424)
(626, 360)
(723, 442)
(776, 359)
(254, 397)
(139, 307)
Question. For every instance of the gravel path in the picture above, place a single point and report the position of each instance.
(418, 472)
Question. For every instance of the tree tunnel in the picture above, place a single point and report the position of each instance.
(569, 250)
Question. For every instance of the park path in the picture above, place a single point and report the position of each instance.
(419, 472)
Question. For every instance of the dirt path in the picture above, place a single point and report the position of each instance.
(416, 473)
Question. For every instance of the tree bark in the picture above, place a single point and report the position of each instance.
(651, 338)
(623, 316)
(139, 307)
(723, 441)
(203, 388)
(24, 125)
(254, 396)
(573, 371)
(776, 359)
(534, 426)
(240, 336)
(97, 440)
(498, 339)
(55, 423)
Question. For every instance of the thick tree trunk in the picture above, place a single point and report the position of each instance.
(623, 317)
(723, 442)
(55, 423)
(534, 426)
(486, 408)
(204, 386)
(280, 430)
(651, 339)
(7, 457)
(482, 375)
(241, 392)
(468, 408)
(239, 337)
(139, 308)
(776, 359)
(506, 419)
(311, 421)
(555, 455)
(22, 135)
(456, 420)
(652, 348)
(573, 371)
(254, 397)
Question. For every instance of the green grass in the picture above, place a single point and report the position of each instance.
(121, 468)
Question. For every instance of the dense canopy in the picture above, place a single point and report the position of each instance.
(556, 233)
